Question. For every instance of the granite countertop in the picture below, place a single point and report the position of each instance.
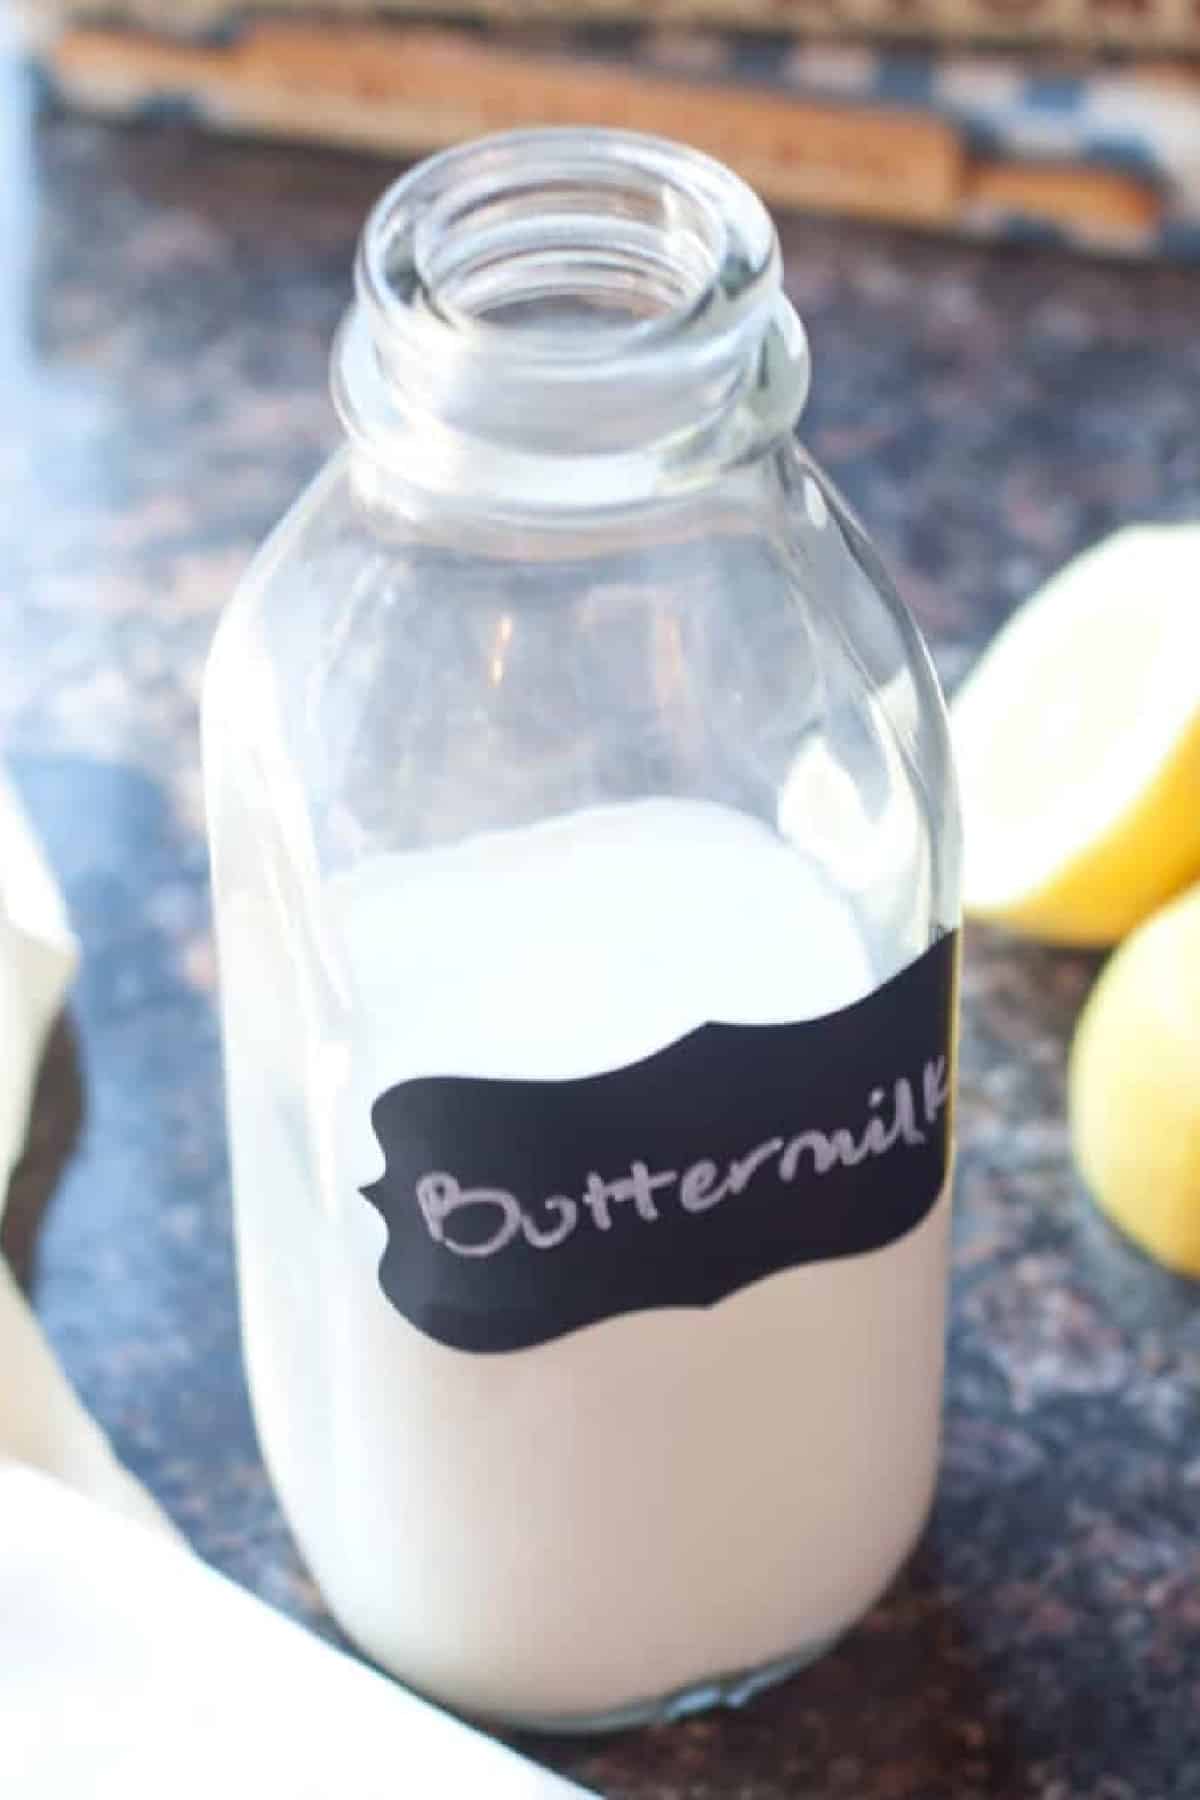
(166, 303)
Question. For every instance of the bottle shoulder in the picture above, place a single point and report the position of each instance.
(425, 678)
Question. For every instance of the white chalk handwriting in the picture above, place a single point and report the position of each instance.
(494, 1218)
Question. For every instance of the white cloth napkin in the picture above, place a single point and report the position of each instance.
(41, 1420)
(129, 1670)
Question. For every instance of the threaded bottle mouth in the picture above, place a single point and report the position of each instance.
(561, 293)
(587, 261)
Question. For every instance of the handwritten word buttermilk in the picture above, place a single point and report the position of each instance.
(483, 1221)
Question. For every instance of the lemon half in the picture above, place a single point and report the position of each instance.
(1135, 1087)
(1077, 739)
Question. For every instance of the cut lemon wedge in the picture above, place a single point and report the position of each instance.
(1077, 738)
(1135, 1087)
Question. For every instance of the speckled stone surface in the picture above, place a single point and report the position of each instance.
(165, 307)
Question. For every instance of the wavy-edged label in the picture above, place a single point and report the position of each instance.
(518, 1211)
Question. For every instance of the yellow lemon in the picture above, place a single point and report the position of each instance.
(1077, 738)
(1135, 1087)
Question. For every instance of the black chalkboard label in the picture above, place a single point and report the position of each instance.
(517, 1211)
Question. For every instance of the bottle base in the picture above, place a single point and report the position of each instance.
(733, 1690)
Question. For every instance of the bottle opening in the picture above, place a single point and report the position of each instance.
(560, 294)
(593, 253)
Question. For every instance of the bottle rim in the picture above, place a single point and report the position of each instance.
(562, 293)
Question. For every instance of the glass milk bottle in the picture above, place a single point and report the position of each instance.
(586, 873)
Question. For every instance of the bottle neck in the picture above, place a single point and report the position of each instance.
(566, 320)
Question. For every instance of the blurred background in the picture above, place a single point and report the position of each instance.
(1071, 120)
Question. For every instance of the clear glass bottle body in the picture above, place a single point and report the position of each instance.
(568, 710)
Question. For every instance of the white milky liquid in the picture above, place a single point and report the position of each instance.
(652, 1500)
